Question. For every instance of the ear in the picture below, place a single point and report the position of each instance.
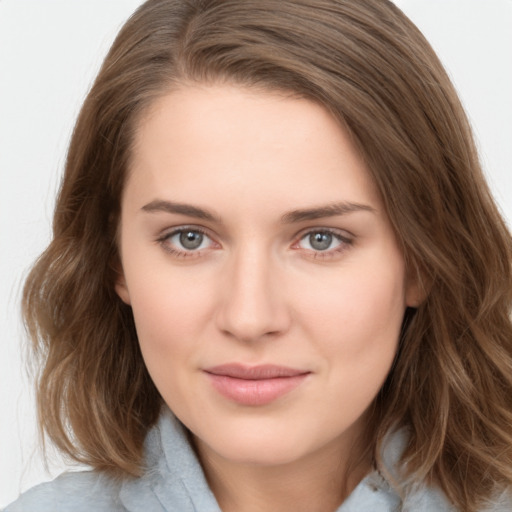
(417, 287)
(122, 288)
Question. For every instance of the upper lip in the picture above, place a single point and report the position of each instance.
(259, 372)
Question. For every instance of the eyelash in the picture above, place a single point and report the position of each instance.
(165, 238)
(344, 242)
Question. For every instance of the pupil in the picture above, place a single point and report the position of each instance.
(191, 239)
(320, 241)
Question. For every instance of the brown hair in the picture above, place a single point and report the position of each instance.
(451, 384)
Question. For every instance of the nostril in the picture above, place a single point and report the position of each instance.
(251, 324)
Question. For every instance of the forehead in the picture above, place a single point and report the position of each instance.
(202, 139)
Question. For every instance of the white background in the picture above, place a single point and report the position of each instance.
(50, 51)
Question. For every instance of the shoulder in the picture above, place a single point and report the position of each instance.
(502, 502)
(419, 497)
(74, 491)
(172, 480)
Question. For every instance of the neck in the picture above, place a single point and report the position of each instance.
(318, 482)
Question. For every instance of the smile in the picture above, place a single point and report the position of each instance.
(256, 385)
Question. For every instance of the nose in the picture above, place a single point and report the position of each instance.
(252, 301)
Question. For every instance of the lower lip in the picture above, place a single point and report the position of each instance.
(255, 392)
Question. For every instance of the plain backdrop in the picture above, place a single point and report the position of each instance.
(50, 51)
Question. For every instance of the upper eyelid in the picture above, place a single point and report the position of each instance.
(164, 233)
(344, 241)
(163, 240)
(342, 233)
(168, 233)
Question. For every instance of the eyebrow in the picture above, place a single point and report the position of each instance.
(159, 205)
(294, 216)
(330, 210)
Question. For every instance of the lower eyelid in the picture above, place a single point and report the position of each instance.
(344, 242)
(164, 241)
(344, 239)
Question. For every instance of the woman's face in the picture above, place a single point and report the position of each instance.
(266, 282)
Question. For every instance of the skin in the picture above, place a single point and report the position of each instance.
(257, 291)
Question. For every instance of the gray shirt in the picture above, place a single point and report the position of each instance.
(174, 482)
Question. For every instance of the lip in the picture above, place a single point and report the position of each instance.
(254, 385)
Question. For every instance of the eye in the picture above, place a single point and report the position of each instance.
(185, 241)
(320, 241)
(189, 240)
(323, 241)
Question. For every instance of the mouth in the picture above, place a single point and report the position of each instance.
(254, 385)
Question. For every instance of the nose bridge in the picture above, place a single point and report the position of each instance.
(252, 303)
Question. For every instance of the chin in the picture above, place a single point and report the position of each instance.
(259, 443)
(258, 452)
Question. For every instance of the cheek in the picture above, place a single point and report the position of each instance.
(166, 299)
(173, 311)
(358, 315)
(358, 338)
(168, 332)
(165, 316)
(159, 307)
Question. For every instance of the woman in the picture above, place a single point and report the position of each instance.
(277, 278)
